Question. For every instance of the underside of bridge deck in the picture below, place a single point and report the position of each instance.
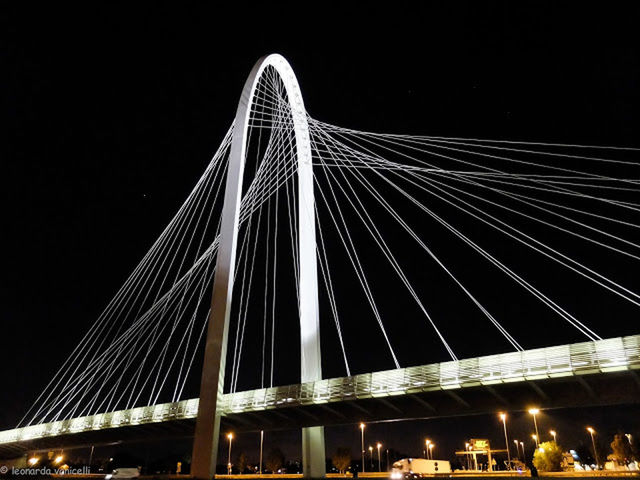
(580, 391)
(612, 388)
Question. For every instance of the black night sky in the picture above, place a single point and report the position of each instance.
(111, 114)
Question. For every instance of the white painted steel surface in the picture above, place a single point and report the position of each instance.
(211, 391)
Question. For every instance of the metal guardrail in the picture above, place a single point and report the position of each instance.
(602, 356)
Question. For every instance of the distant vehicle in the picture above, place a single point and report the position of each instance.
(123, 474)
(418, 467)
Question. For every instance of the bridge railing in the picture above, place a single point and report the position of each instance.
(602, 356)
(577, 359)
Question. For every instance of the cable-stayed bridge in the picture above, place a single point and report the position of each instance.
(458, 255)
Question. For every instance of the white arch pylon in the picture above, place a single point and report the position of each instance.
(207, 434)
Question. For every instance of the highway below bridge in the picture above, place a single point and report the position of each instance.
(604, 372)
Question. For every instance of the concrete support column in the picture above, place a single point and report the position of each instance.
(313, 454)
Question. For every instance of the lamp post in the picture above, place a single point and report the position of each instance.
(431, 445)
(475, 458)
(517, 449)
(426, 447)
(261, 443)
(467, 447)
(503, 417)
(362, 437)
(230, 437)
(554, 435)
(371, 456)
(524, 456)
(378, 446)
(534, 412)
(593, 442)
(535, 439)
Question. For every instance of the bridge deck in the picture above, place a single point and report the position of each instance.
(489, 373)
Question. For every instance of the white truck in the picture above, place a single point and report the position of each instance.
(123, 474)
(419, 467)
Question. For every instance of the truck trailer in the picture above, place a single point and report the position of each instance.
(419, 467)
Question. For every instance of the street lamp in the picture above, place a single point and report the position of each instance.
(503, 417)
(535, 439)
(524, 456)
(517, 449)
(379, 446)
(371, 456)
(426, 448)
(431, 445)
(230, 437)
(362, 437)
(534, 412)
(593, 442)
(467, 447)
(475, 459)
(33, 460)
(554, 435)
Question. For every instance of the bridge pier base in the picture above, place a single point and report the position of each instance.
(313, 453)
